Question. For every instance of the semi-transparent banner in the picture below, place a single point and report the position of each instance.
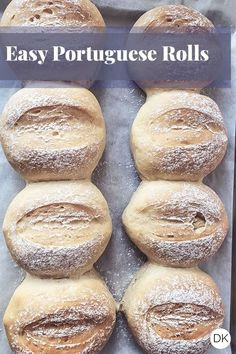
(114, 58)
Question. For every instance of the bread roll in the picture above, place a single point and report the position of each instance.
(179, 224)
(173, 311)
(169, 19)
(57, 229)
(81, 13)
(173, 17)
(53, 133)
(66, 316)
(178, 135)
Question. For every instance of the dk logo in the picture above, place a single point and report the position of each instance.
(220, 338)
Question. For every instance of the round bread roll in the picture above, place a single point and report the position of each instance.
(178, 224)
(169, 19)
(80, 13)
(65, 316)
(172, 311)
(53, 133)
(57, 229)
(174, 17)
(178, 135)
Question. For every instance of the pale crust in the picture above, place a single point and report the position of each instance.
(171, 19)
(53, 133)
(172, 310)
(178, 135)
(65, 316)
(179, 224)
(173, 16)
(80, 13)
(57, 229)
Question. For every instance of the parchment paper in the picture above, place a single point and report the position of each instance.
(117, 178)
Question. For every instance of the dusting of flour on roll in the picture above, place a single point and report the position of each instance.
(175, 17)
(172, 310)
(178, 224)
(178, 135)
(177, 138)
(78, 16)
(65, 316)
(171, 19)
(80, 13)
(53, 133)
(57, 229)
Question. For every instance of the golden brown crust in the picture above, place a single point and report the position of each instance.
(178, 224)
(65, 316)
(172, 310)
(53, 133)
(55, 229)
(178, 135)
(81, 13)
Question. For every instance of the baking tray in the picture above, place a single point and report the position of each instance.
(117, 178)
